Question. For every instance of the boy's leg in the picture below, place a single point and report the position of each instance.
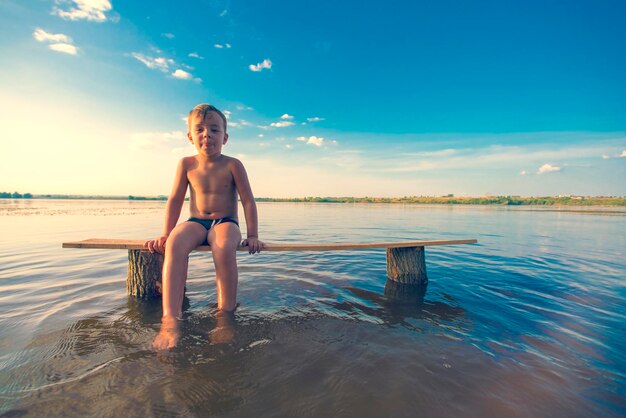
(184, 238)
(224, 239)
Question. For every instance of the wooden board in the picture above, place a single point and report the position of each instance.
(130, 244)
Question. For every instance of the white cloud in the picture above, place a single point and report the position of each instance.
(180, 151)
(447, 152)
(159, 63)
(261, 136)
(315, 119)
(224, 13)
(607, 157)
(493, 156)
(548, 168)
(315, 140)
(288, 146)
(282, 124)
(222, 46)
(239, 123)
(242, 107)
(227, 113)
(65, 48)
(168, 35)
(195, 55)
(266, 64)
(286, 116)
(182, 75)
(92, 10)
(58, 41)
(152, 140)
(523, 173)
(43, 36)
(165, 65)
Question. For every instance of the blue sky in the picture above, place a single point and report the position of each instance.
(323, 98)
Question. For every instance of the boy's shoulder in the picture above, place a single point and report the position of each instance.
(188, 162)
(231, 161)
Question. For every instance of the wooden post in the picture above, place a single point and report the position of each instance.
(144, 274)
(407, 265)
(405, 294)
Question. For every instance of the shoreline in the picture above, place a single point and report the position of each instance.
(557, 203)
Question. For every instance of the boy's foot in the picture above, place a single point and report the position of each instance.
(221, 335)
(168, 335)
(224, 332)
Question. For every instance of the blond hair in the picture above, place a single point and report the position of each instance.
(203, 109)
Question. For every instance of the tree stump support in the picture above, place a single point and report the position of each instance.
(407, 265)
(144, 274)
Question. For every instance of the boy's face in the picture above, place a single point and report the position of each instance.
(207, 134)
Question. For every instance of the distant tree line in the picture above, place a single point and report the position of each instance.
(451, 200)
(15, 195)
(131, 197)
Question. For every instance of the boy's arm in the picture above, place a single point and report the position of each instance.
(172, 208)
(249, 207)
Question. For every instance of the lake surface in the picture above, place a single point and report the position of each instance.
(529, 322)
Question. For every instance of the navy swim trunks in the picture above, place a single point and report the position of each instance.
(210, 223)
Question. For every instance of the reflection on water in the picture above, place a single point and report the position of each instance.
(530, 322)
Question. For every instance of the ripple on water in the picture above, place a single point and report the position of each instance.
(527, 323)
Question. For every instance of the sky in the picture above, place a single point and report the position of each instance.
(324, 98)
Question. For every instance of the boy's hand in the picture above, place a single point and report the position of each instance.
(254, 245)
(157, 245)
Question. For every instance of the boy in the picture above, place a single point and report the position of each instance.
(214, 181)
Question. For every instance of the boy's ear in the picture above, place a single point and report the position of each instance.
(225, 139)
(189, 137)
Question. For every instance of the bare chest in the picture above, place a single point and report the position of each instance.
(211, 179)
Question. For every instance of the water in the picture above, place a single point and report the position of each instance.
(529, 322)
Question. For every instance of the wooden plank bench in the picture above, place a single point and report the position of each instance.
(405, 260)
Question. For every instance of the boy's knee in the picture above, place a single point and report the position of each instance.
(177, 244)
(225, 245)
(226, 238)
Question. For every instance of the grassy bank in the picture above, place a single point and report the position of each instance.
(431, 200)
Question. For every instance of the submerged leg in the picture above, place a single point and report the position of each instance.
(224, 239)
(183, 239)
(224, 331)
